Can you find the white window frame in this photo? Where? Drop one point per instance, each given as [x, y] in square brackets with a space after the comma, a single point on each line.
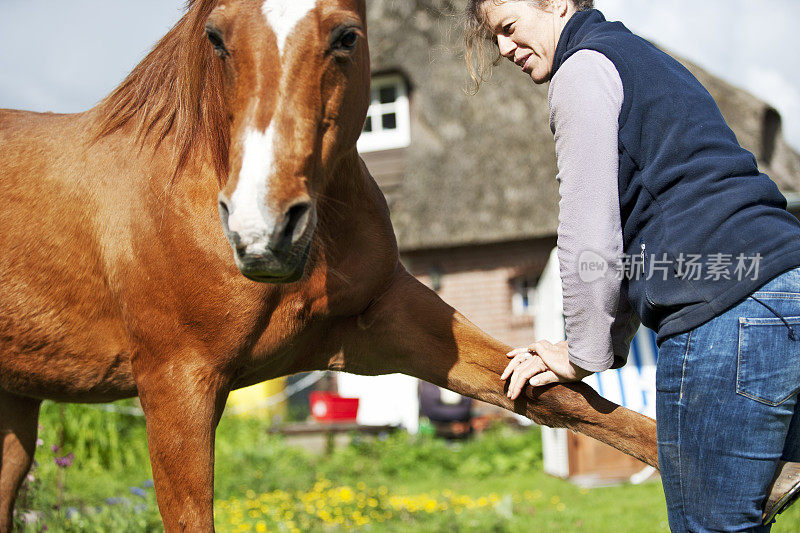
[518, 306]
[379, 138]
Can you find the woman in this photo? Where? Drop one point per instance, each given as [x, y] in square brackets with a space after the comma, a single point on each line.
[696, 244]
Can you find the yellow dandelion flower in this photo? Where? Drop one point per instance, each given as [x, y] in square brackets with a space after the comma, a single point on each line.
[346, 494]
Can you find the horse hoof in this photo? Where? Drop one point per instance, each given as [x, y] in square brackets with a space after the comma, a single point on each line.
[783, 492]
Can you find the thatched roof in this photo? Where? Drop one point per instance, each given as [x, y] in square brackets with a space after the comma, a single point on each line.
[482, 168]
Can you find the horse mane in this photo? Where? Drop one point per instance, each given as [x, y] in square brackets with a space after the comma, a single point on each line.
[176, 87]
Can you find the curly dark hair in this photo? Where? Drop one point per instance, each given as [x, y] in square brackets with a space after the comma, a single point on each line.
[477, 36]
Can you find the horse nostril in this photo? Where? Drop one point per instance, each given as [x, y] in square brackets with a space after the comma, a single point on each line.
[296, 221]
[292, 227]
[224, 211]
[295, 216]
[223, 205]
[224, 215]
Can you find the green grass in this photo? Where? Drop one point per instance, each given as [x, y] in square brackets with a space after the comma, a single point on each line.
[401, 483]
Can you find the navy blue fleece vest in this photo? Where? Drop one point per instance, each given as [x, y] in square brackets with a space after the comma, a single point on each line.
[687, 190]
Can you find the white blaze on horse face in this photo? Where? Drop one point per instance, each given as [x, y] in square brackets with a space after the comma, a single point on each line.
[284, 15]
[250, 218]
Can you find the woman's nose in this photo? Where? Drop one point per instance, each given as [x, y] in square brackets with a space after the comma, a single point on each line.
[506, 46]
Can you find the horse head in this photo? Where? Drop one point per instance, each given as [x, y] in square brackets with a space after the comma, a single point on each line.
[296, 85]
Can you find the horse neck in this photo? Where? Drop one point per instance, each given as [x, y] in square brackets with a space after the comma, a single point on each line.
[347, 192]
[353, 214]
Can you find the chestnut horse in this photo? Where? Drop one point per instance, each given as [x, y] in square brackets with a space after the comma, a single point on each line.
[116, 280]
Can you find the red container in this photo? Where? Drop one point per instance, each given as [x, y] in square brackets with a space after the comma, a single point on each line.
[330, 407]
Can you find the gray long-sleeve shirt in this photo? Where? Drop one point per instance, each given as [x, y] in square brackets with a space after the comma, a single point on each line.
[585, 99]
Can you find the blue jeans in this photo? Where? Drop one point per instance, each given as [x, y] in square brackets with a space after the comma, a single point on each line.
[726, 405]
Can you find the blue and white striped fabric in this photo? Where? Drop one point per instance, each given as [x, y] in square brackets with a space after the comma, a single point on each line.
[634, 385]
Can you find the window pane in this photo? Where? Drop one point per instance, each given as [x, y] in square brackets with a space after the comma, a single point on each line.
[388, 94]
[389, 121]
[368, 125]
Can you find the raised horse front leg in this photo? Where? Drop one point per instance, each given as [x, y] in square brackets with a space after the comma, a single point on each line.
[18, 429]
[409, 329]
[183, 403]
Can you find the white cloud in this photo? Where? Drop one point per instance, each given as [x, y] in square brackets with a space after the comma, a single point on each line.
[751, 44]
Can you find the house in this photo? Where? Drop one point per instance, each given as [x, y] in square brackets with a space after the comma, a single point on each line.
[471, 180]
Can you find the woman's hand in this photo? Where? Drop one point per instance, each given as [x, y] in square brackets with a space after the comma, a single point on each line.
[540, 363]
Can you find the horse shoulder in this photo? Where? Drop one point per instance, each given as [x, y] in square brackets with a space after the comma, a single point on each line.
[57, 314]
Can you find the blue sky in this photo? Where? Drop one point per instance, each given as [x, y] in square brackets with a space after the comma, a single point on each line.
[65, 56]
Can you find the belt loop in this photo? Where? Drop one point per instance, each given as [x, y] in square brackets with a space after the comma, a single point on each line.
[791, 331]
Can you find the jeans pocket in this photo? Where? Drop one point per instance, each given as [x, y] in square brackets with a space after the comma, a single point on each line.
[768, 362]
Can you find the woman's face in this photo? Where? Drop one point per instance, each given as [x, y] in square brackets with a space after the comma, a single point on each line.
[526, 34]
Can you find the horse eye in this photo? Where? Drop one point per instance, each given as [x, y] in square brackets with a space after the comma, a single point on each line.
[215, 37]
[349, 40]
[344, 40]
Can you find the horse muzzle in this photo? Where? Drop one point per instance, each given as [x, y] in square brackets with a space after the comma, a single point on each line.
[270, 253]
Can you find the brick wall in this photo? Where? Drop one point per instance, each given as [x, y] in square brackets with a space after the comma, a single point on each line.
[478, 281]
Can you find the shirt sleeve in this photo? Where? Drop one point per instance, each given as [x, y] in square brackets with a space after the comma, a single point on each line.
[585, 97]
